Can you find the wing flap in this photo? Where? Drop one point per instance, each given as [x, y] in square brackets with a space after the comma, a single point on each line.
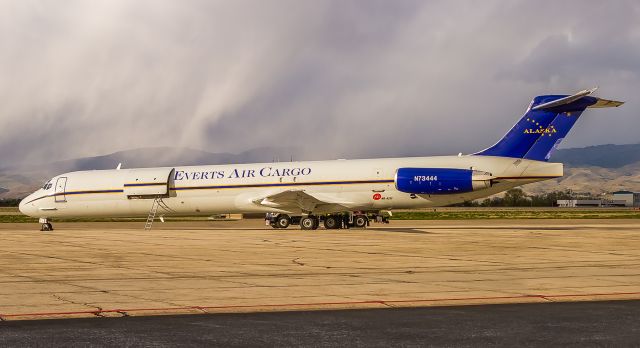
[304, 201]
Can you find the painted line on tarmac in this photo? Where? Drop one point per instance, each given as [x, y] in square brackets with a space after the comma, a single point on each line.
[204, 309]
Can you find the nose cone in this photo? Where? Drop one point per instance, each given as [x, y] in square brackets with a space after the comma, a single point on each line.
[22, 206]
[25, 208]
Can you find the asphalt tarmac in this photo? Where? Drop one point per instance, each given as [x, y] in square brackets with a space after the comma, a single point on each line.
[571, 324]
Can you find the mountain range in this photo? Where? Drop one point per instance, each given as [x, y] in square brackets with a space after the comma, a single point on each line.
[594, 169]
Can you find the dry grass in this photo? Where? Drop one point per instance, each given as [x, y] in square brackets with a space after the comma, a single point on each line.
[12, 215]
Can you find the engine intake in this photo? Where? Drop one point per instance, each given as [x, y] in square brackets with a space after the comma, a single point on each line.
[440, 180]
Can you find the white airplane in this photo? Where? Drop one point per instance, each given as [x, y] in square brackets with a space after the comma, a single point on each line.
[339, 193]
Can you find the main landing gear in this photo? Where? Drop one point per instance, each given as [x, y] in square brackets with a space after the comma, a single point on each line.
[283, 221]
[360, 221]
[46, 225]
[331, 222]
[309, 222]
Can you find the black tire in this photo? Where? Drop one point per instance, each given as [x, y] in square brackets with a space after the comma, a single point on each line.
[283, 221]
[316, 222]
[46, 227]
[308, 223]
[360, 221]
[331, 223]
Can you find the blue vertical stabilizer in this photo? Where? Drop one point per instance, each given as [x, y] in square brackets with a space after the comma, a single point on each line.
[545, 123]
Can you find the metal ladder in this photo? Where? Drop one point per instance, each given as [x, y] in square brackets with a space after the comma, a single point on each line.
[152, 213]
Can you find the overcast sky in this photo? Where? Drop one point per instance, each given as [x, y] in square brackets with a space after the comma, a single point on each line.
[337, 78]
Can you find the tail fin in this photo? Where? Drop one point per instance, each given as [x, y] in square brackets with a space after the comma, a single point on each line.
[545, 123]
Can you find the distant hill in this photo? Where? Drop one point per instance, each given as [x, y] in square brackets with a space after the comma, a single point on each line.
[592, 179]
[595, 169]
[605, 156]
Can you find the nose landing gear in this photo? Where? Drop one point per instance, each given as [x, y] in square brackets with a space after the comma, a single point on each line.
[46, 225]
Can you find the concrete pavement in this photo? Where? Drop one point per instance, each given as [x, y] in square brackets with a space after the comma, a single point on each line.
[118, 269]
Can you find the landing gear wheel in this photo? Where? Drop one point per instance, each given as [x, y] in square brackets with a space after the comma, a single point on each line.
[331, 223]
[283, 221]
[47, 226]
[360, 221]
[309, 223]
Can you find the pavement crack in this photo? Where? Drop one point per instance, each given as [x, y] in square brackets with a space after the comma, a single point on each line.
[98, 309]
[384, 303]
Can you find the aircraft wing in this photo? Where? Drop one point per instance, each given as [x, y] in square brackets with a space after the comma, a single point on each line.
[304, 201]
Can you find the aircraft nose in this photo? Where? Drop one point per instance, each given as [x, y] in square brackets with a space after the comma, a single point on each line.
[24, 207]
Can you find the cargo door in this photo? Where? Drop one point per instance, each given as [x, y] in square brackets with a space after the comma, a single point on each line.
[148, 183]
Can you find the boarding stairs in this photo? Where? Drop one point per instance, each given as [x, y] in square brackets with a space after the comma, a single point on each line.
[152, 213]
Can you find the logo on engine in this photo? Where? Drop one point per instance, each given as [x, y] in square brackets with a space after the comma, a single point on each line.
[377, 197]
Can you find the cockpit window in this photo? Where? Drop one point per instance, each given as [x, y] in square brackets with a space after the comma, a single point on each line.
[47, 185]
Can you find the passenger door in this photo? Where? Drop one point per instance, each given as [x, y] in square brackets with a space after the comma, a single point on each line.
[61, 185]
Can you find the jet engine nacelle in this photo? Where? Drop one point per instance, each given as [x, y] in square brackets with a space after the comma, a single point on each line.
[440, 180]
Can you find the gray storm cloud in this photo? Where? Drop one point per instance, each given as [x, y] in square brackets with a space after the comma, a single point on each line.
[336, 78]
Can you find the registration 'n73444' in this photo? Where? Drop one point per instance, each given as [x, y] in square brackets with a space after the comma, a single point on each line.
[420, 178]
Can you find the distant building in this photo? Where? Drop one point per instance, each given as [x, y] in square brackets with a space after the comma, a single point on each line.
[578, 203]
[575, 203]
[631, 199]
[614, 199]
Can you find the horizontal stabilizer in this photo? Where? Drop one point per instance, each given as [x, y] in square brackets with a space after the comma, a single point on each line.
[565, 100]
[604, 103]
[592, 103]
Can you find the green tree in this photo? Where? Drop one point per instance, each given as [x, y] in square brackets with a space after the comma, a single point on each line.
[515, 197]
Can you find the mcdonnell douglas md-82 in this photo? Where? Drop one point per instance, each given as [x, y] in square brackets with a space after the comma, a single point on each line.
[339, 193]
